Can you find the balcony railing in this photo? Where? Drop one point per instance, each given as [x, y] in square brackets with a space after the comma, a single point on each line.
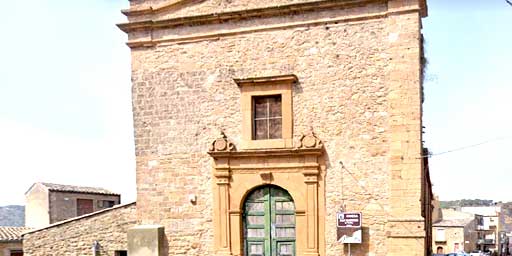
[489, 241]
[486, 241]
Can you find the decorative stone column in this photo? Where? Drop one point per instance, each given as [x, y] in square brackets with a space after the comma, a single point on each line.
[221, 199]
[311, 171]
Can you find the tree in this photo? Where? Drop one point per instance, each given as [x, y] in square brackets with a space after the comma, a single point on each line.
[509, 2]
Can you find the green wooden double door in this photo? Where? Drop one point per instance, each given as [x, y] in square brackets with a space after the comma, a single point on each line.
[269, 223]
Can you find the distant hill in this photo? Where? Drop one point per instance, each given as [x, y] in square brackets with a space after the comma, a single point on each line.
[12, 215]
[466, 202]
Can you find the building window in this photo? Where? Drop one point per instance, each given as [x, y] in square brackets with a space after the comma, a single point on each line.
[121, 253]
[440, 235]
[266, 105]
[16, 253]
[267, 112]
[84, 206]
[106, 203]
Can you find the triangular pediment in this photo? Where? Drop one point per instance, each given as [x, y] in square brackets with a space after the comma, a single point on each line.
[185, 8]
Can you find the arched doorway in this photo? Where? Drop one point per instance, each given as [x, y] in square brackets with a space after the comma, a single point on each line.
[269, 223]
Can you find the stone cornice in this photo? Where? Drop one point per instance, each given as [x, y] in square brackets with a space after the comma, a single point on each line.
[266, 153]
[175, 3]
[272, 79]
[423, 8]
[236, 15]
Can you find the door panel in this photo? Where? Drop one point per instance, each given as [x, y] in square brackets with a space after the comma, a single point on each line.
[84, 206]
[285, 248]
[269, 223]
[256, 248]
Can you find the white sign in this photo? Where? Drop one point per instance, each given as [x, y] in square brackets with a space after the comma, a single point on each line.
[353, 238]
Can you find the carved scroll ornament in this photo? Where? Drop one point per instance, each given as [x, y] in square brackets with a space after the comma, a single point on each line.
[222, 144]
[310, 140]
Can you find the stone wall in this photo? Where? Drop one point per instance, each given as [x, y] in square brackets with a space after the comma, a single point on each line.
[453, 235]
[457, 235]
[63, 205]
[76, 236]
[7, 247]
[359, 89]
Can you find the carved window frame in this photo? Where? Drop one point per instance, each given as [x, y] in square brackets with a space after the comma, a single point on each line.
[267, 86]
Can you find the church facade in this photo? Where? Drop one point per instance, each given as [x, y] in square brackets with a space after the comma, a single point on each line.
[256, 122]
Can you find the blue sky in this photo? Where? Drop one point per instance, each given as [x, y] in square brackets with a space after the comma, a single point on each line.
[65, 97]
[468, 97]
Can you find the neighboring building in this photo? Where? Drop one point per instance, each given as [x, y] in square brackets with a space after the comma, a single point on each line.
[10, 241]
[506, 217]
[105, 230]
[457, 231]
[509, 245]
[267, 74]
[491, 226]
[428, 203]
[503, 245]
[48, 203]
[437, 212]
[506, 227]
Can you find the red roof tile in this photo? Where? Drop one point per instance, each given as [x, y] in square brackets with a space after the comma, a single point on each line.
[12, 234]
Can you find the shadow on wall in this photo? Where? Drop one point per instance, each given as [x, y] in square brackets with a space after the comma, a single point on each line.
[165, 246]
[360, 249]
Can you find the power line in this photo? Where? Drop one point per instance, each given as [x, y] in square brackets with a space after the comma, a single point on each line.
[465, 147]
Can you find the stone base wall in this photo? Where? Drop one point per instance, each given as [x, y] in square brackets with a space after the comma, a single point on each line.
[76, 236]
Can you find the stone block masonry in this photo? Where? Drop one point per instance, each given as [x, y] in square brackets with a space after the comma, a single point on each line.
[76, 236]
[359, 88]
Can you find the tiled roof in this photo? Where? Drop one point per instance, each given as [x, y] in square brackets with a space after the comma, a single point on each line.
[482, 210]
[77, 189]
[453, 223]
[451, 214]
[453, 218]
[12, 234]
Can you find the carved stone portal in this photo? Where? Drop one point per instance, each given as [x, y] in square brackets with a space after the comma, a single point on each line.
[300, 171]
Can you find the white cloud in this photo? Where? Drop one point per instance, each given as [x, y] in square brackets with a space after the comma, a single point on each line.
[480, 171]
[29, 155]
